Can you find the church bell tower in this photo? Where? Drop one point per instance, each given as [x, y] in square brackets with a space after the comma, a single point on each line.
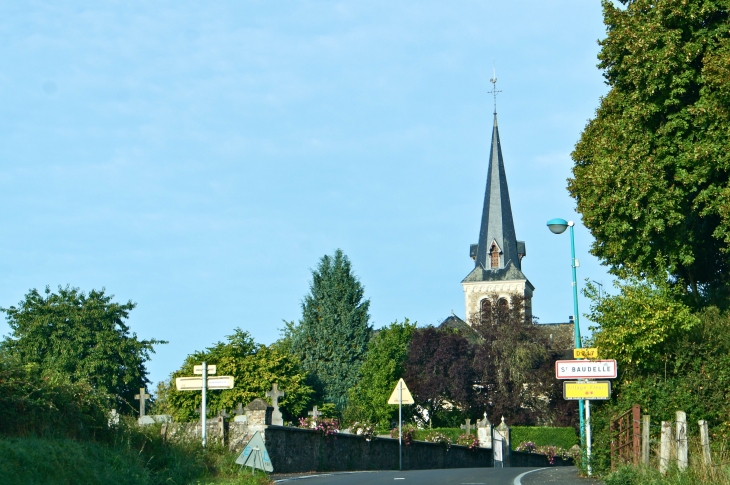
[497, 254]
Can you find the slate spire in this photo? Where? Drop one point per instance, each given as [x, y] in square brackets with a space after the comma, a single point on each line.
[497, 232]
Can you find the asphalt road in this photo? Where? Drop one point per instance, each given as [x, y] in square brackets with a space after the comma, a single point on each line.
[458, 476]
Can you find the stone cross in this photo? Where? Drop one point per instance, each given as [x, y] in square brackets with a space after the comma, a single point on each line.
[223, 414]
[142, 396]
[239, 410]
[468, 426]
[275, 394]
[314, 413]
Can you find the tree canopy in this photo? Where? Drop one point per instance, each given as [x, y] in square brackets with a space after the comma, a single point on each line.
[332, 336]
[514, 366]
[651, 169]
[82, 337]
[383, 366]
[255, 368]
[440, 375]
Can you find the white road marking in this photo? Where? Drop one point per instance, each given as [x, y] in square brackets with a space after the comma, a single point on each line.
[518, 479]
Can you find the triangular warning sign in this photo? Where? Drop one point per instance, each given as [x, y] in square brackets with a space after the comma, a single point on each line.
[255, 454]
[406, 394]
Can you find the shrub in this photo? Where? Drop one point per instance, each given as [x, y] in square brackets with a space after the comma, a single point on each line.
[440, 438]
[543, 435]
[409, 433]
[469, 440]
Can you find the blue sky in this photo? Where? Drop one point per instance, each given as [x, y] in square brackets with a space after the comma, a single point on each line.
[199, 158]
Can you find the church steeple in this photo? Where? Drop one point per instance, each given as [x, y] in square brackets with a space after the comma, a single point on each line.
[498, 254]
[497, 244]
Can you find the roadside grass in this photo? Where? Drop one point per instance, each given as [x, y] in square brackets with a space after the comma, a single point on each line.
[697, 473]
[133, 456]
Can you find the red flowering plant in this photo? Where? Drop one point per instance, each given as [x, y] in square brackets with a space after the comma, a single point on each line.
[409, 433]
[326, 426]
[469, 440]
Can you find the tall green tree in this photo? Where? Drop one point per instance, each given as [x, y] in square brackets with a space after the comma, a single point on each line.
[255, 368]
[383, 366]
[332, 336]
[82, 337]
[651, 176]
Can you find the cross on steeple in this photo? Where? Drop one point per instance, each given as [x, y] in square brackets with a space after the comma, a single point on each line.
[142, 396]
[494, 90]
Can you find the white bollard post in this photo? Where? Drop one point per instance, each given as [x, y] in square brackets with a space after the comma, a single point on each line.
[705, 442]
[666, 447]
[682, 452]
[645, 421]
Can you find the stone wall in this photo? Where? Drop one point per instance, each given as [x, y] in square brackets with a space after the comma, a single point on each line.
[302, 450]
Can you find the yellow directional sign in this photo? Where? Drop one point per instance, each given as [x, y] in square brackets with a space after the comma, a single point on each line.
[585, 353]
[573, 390]
[196, 383]
[405, 393]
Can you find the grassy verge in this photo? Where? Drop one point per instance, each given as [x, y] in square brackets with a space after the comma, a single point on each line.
[135, 456]
[719, 475]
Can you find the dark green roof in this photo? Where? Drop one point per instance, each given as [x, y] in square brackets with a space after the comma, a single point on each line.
[505, 274]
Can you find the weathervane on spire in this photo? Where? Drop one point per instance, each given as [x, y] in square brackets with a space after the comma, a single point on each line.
[494, 90]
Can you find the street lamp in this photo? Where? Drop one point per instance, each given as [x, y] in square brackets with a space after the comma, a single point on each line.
[558, 226]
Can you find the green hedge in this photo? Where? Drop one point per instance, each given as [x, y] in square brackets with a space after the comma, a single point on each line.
[543, 435]
[452, 433]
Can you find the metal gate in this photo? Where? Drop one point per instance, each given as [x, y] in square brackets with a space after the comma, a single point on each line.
[626, 438]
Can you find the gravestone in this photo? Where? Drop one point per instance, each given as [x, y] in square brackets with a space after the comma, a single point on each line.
[314, 413]
[484, 432]
[240, 416]
[259, 414]
[113, 419]
[142, 397]
[468, 426]
[275, 394]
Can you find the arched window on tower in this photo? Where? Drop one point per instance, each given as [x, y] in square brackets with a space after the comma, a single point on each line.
[494, 254]
[502, 304]
[485, 309]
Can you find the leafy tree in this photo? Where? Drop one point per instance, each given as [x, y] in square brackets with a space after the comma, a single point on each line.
[82, 337]
[383, 366]
[255, 368]
[440, 375]
[651, 169]
[514, 366]
[640, 327]
[332, 336]
[669, 358]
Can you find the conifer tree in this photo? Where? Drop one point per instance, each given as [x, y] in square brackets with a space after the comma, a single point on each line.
[332, 336]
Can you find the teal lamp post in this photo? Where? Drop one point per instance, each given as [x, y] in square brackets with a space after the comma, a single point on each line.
[558, 226]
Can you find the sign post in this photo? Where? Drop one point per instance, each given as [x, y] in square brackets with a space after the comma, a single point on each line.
[585, 388]
[202, 383]
[203, 410]
[400, 396]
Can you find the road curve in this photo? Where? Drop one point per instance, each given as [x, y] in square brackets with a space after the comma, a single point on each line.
[457, 476]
